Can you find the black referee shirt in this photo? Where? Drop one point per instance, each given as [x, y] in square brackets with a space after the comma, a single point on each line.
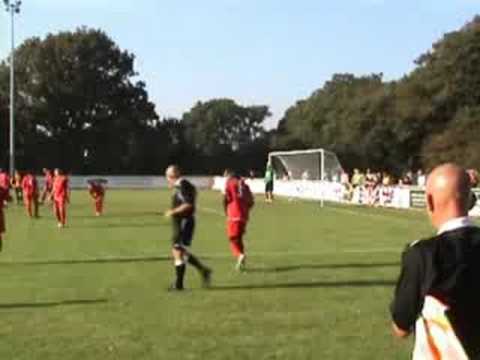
[446, 267]
[185, 193]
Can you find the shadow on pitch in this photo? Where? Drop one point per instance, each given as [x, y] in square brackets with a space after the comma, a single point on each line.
[90, 261]
[52, 304]
[307, 285]
[279, 269]
[125, 215]
[121, 225]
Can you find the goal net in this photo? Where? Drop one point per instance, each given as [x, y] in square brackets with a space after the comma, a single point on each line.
[316, 164]
[309, 174]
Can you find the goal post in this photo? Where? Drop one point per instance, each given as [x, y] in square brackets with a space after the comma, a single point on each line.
[317, 167]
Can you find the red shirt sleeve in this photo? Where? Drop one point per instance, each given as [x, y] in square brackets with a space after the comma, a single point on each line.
[229, 191]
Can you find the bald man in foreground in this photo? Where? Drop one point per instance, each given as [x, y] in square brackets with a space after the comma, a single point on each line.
[438, 292]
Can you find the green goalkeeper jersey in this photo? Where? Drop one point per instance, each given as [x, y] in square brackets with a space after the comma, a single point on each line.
[269, 174]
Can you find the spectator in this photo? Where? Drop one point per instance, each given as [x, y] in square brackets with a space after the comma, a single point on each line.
[347, 187]
[356, 178]
[421, 178]
[370, 187]
[474, 177]
[387, 179]
[407, 179]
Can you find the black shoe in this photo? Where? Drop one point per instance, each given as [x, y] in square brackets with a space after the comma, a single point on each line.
[207, 278]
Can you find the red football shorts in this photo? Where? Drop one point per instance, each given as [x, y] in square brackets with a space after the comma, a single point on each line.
[236, 229]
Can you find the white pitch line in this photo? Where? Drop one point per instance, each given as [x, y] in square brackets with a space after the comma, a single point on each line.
[213, 211]
[302, 253]
[380, 216]
[342, 210]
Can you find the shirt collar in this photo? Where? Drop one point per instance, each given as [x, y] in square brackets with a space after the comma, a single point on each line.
[454, 224]
[178, 182]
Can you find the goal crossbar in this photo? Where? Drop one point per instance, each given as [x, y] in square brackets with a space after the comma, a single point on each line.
[296, 152]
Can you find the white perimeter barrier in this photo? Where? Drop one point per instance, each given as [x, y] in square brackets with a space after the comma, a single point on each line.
[400, 197]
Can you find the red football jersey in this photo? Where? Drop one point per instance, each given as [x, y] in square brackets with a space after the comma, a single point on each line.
[4, 180]
[60, 188]
[239, 200]
[29, 185]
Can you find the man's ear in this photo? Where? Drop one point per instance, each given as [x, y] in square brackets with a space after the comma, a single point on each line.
[430, 203]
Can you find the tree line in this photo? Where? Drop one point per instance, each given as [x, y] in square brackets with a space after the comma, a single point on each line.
[81, 106]
[429, 116]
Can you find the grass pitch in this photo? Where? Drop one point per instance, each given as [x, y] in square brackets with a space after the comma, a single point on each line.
[318, 286]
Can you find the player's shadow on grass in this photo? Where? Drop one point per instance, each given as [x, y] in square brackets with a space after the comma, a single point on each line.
[278, 269]
[125, 215]
[121, 225]
[306, 285]
[89, 261]
[52, 304]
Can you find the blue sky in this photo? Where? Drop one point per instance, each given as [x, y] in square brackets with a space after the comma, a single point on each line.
[270, 52]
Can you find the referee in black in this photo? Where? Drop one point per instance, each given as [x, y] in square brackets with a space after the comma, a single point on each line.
[438, 292]
[182, 213]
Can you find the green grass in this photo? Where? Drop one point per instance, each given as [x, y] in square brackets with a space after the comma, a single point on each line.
[319, 284]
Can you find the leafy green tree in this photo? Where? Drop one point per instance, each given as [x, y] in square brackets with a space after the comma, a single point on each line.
[458, 142]
[221, 132]
[78, 103]
[221, 124]
[401, 124]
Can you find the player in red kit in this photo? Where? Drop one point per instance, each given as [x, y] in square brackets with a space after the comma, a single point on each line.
[4, 180]
[60, 197]
[48, 185]
[4, 197]
[30, 194]
[4, 183]
[96, 189]
[238, 201]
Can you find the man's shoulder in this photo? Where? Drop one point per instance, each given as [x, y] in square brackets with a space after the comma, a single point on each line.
[186, 182]
[467, 237]
[186, 186]
[428, 244]
[421, 246]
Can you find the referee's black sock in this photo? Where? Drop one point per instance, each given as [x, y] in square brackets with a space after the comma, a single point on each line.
[193, 260]
[180, 273]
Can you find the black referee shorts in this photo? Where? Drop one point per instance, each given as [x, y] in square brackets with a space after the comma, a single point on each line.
[183, 229]
[269, 186]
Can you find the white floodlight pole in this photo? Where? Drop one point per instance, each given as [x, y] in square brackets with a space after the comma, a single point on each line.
[12, 7]
[322, 177]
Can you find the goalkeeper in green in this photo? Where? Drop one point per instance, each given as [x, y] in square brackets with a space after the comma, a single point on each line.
[269, 177]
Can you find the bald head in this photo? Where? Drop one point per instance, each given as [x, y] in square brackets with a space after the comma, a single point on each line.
[172, 174]
[448, 193]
